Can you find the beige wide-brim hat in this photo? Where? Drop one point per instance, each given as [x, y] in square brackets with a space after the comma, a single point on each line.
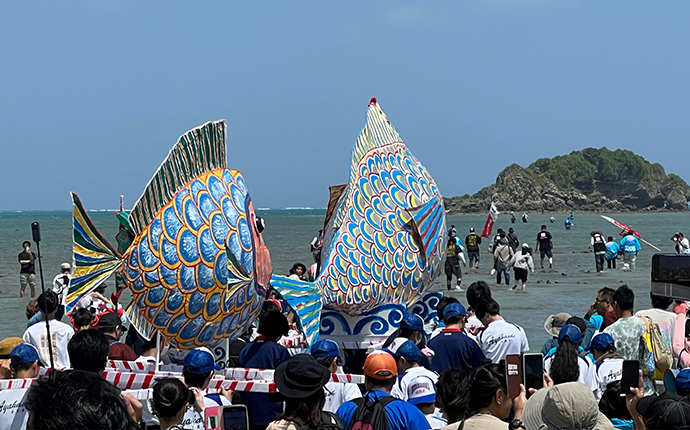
[565, 406]
[554, 323]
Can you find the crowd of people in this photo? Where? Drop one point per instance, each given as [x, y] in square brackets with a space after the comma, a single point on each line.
[452, 377]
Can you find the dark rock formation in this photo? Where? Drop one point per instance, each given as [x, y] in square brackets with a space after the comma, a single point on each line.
[591, 180]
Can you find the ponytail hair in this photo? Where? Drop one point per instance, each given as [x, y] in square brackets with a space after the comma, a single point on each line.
[169, 397]
[482, 386]
[565, 366]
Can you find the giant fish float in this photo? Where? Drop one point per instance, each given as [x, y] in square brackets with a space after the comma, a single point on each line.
[384, 239]
[190, 251]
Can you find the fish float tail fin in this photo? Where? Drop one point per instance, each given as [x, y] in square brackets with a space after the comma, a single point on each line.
[305, 299]
[136, 318]
[94, 258]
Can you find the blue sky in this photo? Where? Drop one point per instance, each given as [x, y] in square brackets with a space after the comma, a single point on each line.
[95, 93]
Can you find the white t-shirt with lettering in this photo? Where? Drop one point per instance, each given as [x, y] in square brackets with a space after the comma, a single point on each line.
[588, 374]
[610, 370]
[501, 338]
[60, 334]
[195, 420]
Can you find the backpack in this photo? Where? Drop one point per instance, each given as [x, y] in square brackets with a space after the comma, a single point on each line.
[653, 344]
[371, 415]
[329, 421]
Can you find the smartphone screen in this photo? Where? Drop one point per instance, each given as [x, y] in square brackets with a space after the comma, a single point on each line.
[513, 374]
[235, 418]
[533, 369]
[631, 370]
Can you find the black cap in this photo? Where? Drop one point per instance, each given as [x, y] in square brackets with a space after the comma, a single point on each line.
[300, 376]
[110, 320]
[667, 411]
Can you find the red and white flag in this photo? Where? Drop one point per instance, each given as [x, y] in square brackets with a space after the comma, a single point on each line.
[490, 220]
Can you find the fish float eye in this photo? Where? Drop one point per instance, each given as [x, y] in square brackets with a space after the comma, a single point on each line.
[260, 224]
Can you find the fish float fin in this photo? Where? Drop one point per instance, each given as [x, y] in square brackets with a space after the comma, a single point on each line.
[305, 299]
[427, 226]
[196, 152]
[94, 258]
[378, 132]
[136, 318]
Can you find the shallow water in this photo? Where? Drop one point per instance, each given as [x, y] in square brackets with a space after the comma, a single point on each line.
[571, 287]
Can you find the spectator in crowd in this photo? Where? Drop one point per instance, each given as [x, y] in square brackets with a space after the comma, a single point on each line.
[488, 402]
[660, 315]
[111, 326]
[199, 366]
[566, 365]
[82, 319]
[301, 380]
[681, 336]
[678, 382]
[406, 355]
[24, 361]
[449, 394]
[6, 346]
[170, 402]
[440, 306]
[452, 347]
[380, 375]
[500, 337]
[598, 245]
[628, 329]
[61, 287]
[566, 406]
[60, 333]
[608, 362]
[327, 354]
[150, 349]
[265, 353]
[587, 330]
[33, 315]
[78, 400]
[613, 406]
[657, 412]
[553, 326]
[412, 328]
[477, 291]
[88, 351]
[603, 305]
[421, 392]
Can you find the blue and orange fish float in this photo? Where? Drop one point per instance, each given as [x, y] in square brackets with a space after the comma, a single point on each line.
[384, 232]
[190, 251]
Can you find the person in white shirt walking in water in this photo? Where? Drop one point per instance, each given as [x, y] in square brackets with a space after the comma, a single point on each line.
[327, 353]
[60, 333]
[61, 287]
[522, 263]
[500, 337]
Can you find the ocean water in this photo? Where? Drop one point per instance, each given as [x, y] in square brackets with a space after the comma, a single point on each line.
[571, 287]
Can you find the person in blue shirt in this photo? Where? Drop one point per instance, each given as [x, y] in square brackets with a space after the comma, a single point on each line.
[380, 375]
[265, 353]
[630, 246]
[612, 251]
[452, 347]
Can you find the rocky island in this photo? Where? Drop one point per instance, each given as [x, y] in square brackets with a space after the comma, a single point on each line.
[590, 180]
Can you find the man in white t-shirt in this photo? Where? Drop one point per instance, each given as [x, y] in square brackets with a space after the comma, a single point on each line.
[406, 355]
[608, 362]
[327, 353]
[61, 287]
[660, 315]
[199, 366]
[500, 337]
[60, 333]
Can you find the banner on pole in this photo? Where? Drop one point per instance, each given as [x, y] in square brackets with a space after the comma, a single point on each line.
[490, 220]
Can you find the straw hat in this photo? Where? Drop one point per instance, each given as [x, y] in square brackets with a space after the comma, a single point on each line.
[593, 232]
[554, 323]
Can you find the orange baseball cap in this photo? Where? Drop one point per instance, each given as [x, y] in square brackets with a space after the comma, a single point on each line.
[380, 365]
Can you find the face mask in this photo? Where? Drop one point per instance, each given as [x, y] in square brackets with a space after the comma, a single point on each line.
[27, 249]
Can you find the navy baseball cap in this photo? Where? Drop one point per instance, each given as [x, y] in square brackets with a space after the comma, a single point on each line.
[601, 342]
[326, 348]
[200, 361]
[573, 333]
[412, 322]
[23, 353]
[403, 347]
[454, 309]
